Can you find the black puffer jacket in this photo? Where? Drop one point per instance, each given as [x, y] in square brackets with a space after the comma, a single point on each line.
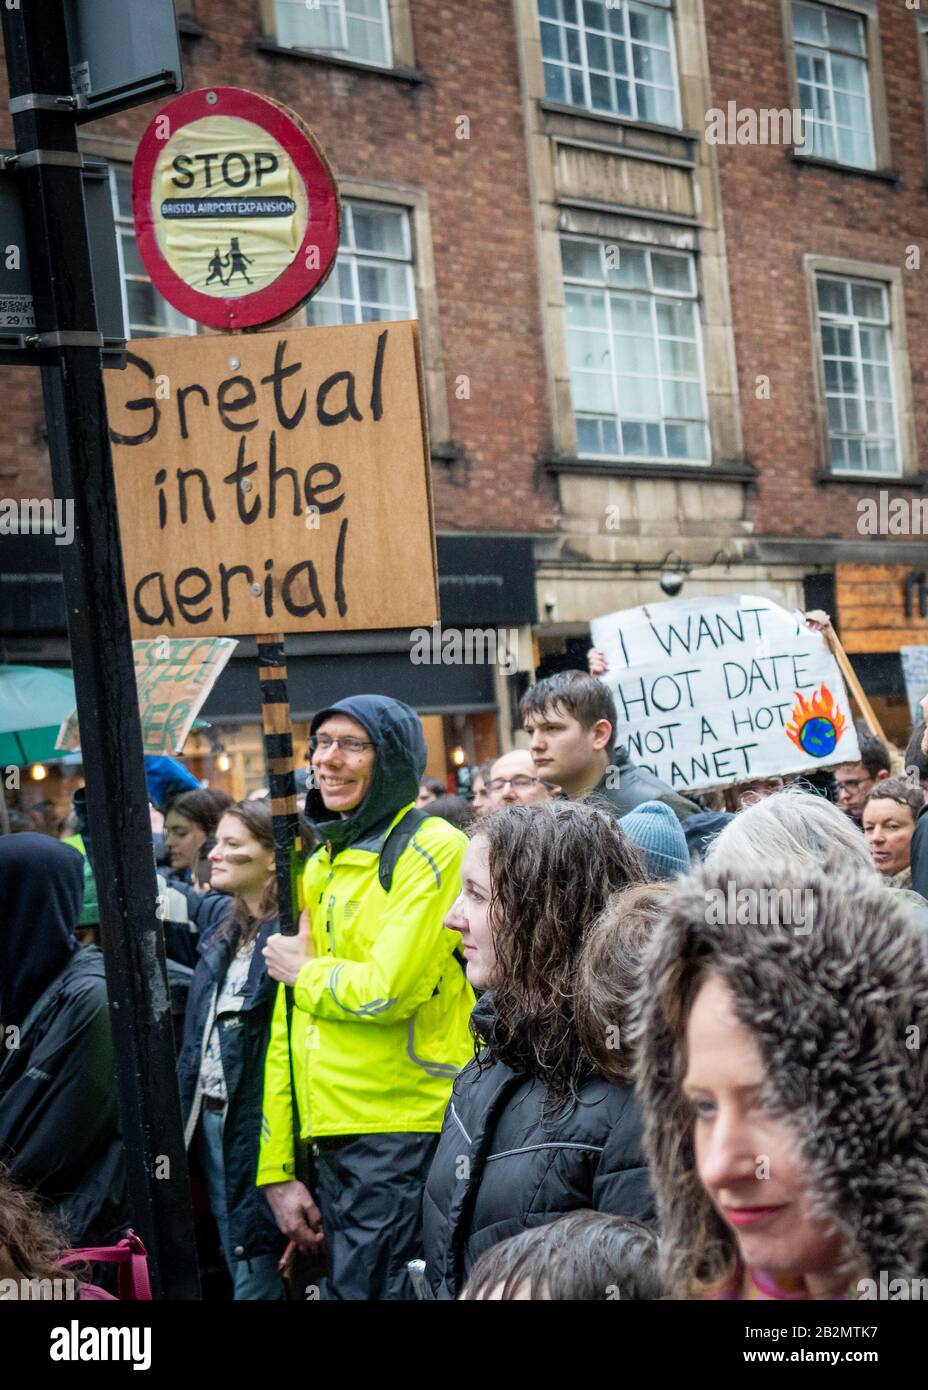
[59, 1120]
[59, 1117]
[501, 1167]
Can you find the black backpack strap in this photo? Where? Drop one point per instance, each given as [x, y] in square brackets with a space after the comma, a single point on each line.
[393, 847]
[396, 842]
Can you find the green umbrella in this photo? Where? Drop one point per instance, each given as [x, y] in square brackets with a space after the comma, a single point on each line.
[33, 702]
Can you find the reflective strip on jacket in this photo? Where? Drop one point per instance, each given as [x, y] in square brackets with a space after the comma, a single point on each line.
[380, 1024]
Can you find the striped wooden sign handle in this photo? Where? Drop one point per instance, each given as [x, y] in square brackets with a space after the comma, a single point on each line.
[278, 754]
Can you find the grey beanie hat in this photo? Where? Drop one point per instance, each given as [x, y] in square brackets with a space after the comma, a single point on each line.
[655, 829]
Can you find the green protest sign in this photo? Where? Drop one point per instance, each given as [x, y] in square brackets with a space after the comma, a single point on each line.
[173, 676]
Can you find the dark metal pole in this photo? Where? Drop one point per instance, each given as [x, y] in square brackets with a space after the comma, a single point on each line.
[101, 648]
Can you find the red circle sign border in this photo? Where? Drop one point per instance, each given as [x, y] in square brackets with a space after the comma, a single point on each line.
[292, 286]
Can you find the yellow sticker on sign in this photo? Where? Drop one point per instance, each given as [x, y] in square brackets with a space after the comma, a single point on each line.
[230, 208]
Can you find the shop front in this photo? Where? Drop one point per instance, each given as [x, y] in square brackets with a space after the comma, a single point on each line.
[463, 676]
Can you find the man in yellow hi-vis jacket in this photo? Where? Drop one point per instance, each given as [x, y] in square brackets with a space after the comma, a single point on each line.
[380, 1023]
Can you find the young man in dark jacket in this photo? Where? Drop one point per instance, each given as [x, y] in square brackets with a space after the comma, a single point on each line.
[59, 1121]
[572, 720]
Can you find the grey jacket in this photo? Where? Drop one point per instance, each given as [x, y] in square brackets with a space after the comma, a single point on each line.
[625, 786]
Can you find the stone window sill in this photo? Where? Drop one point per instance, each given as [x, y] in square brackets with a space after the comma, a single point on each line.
[413, 77]
[730, 471]
[872, 480]
[557, 108]
[188, 27]
[817, 162]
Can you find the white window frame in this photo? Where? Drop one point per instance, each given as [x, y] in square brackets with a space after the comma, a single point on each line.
[854, 323]
[652, 294]
[810, 45]
[407, 260]
[344, 51]
[663, 6]
[124, 222]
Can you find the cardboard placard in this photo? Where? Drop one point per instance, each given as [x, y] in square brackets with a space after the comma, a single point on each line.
[714, 691]
[173, 679]
[275, 482]
[915, 674]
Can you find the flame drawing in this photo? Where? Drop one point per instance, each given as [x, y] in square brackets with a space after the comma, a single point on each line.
[817, 724]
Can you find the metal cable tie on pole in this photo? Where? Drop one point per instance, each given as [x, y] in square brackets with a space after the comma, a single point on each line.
[44, 101]
[29, 159]
[63, 339]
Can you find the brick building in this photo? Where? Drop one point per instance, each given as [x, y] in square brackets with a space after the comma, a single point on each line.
[829, 299]
[645, 349]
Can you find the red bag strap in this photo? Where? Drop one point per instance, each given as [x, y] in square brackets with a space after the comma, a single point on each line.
[131, 1257]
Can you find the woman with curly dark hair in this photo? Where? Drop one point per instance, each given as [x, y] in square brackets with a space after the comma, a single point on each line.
[533, 1129]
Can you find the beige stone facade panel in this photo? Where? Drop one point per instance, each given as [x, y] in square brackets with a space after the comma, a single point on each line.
[603, 177]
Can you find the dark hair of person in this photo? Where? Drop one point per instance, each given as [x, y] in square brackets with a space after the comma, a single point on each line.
[256, 817]
[454, 809]
[20, 822]
[899, 790]
[874, 755]
[585, 1256]
[609, 974]
[29, 1240]
[914, 757]
[205, 806]
[553, 866]
[481, 770]
[586, 698]
[433, 785]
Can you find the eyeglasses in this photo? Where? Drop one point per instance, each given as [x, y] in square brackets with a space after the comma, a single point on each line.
[518, 784]
[853, 783]
[321, 743]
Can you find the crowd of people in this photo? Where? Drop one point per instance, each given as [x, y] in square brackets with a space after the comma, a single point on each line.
[576, 1036]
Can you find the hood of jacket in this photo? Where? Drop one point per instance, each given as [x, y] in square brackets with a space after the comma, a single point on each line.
[483, 1018]
[41, 892]
[831, 1010]
[396, 732]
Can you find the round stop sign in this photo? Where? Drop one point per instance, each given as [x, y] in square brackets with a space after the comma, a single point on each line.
[236, 209]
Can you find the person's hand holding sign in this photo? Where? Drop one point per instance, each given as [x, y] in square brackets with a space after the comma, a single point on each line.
[819, 621]
[285, 956]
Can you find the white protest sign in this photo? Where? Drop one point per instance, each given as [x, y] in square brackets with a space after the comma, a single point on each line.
[713, 691]
[915, 674]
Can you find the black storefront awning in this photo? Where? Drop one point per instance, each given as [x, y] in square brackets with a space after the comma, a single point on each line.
[318, 681]
[31, 592]
[486, 581]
